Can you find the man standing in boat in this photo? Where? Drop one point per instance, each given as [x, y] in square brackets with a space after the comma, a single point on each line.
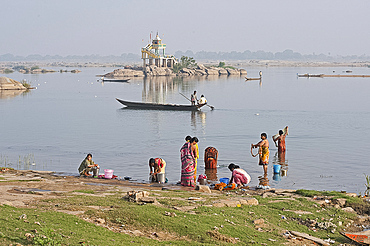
[193, 98]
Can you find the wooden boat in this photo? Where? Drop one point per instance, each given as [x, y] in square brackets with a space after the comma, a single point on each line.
[253, 78]
[307, 75]
[334, 75]
[362, 238]
[114, 80]
[156, 106]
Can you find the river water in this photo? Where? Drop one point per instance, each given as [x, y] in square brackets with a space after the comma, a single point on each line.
[69, 115]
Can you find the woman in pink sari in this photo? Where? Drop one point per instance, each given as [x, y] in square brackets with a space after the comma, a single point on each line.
[187, 165]
[239, 176]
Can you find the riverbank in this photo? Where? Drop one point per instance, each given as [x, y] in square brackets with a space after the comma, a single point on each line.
[73, 210]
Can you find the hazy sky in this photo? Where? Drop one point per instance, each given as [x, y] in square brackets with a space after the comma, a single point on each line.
[113, 27]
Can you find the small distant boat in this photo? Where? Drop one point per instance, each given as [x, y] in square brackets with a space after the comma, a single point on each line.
[307, 75]
[156, 106]
[114, 80]
[362, 238]
[253, 78]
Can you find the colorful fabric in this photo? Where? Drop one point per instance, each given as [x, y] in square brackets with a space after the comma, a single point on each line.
[240, 176]
[162, 164]
[210, 157]
[196, 156]
[187, 165]
[223, 186]
[264, 156]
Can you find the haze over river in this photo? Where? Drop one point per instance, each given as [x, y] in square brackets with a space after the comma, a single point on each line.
[70, 115]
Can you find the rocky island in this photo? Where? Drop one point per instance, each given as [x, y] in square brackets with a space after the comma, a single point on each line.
[198, 70]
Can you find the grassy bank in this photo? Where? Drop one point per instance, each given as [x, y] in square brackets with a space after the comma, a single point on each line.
[178, 219]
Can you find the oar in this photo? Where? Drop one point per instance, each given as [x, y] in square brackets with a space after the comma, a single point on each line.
[190, 101]
[185, 97]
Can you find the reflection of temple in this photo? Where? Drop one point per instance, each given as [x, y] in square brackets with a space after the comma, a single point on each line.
[156, 88]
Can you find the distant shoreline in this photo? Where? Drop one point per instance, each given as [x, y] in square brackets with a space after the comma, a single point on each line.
[238, 64]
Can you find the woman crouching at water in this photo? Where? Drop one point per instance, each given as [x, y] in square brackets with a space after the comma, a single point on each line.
[239, 176]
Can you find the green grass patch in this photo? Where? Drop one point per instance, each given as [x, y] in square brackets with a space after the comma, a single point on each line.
[85, 191]
[185, 228]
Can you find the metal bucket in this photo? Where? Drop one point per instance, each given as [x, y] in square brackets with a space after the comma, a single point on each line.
[161, 177]
[202, 181]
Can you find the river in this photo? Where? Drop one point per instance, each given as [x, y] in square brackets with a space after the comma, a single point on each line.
[69, 115]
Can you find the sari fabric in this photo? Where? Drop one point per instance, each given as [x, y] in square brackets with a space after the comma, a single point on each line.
[187, 165]
[210, 157]
[264, 157]
[240, 176]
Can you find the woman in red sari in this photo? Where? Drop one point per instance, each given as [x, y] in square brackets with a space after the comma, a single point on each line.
[187, 165]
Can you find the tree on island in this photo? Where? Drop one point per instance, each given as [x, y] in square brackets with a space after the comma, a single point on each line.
[185, 62]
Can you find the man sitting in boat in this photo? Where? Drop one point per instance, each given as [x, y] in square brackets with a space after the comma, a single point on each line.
[202, 100]
[156, 166]
[88, 165]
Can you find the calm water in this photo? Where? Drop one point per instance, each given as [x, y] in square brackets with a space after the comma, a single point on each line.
[70, 115]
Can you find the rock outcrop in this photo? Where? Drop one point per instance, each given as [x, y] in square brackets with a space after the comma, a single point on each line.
[153, 70]
[124, 73]
[10, 84]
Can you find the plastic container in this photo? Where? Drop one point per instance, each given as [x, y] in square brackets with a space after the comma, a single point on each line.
[108, 173]
[161, 177]
[276, 177]
[224, 180]
[276, 168]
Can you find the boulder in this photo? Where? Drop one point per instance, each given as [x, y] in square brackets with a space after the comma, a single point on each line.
[211, 71]
[258, 221]
[203, 188]
[201, 67]
[136, 196]
[200, 72]
[222, 71]
[10, 84]
[124, 73]
[340, 201]
[248, 201]
[349, 210]
[243, 72]
[231, 71]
